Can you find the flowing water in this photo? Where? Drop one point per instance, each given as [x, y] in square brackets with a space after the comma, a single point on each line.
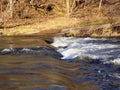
[29, 63]
[106, 50]
[101, 53]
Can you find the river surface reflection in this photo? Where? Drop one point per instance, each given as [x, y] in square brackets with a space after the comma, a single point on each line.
[30, 70]
[29, 73]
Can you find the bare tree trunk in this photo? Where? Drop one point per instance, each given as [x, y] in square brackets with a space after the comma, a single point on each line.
[1, 19]
[73, 4]
[11, 8]
[100, 5]
[68, 7]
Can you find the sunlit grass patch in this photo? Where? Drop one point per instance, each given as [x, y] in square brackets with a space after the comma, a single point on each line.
[95, 22]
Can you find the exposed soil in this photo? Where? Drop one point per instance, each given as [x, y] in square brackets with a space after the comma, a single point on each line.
[105, 30]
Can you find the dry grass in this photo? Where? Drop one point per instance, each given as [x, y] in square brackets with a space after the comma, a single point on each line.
[86, 14]
[56, 23]
[95, 22]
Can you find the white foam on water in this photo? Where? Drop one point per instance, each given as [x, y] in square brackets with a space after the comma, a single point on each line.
[116, 75]
[26, 49]
[114, 61]
[7, 50]
[103, 49]
[83, 47]
[62, 41]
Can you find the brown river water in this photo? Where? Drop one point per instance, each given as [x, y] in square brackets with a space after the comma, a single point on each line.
[29, 63]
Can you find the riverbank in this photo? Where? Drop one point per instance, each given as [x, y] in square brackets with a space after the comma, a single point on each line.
[67, 27]
[48, 17]
[97, 31]
[46, 27]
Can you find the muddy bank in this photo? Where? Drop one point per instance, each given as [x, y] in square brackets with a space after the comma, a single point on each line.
[106, 30]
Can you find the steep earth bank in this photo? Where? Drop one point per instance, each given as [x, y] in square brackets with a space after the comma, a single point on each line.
[105, 30]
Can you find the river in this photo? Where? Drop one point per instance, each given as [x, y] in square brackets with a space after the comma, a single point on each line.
[29, 63]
